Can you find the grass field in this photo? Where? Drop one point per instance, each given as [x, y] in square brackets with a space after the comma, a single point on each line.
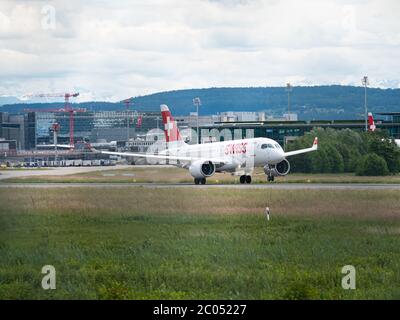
[137, 243]
[175, 175]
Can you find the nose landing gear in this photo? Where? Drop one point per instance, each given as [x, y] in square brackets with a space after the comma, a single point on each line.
[271, 178]
[200, 180]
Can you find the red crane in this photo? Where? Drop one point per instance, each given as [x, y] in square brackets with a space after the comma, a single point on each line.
[67, 108]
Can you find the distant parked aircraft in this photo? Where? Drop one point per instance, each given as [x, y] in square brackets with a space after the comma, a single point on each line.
[236, 156]
[372, 127]
[81, 145]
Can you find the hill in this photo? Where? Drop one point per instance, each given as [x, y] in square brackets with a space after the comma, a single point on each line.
[316, 102]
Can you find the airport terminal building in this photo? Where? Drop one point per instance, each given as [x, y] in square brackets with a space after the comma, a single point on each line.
[90, 126]
[29, 130]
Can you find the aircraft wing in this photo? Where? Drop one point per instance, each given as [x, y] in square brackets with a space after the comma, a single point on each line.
[67, 146]
[313, 148]
[165, 157]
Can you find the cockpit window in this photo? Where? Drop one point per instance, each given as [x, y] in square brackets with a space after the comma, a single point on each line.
[277, 145]
[267, 145]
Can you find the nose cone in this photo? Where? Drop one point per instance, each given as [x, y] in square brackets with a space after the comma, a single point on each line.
[281, 155]
[277, 156]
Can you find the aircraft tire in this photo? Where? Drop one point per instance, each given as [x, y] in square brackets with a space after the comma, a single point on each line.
[242, 179]
[248, 179]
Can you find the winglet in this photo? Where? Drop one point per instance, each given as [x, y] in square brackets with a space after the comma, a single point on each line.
[315, 143]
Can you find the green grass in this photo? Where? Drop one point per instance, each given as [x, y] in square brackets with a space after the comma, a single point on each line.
[118, 244]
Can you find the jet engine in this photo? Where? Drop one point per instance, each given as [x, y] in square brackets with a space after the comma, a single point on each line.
[202, 169]
[280, 169]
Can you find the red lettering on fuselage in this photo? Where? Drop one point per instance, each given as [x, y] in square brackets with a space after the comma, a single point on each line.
[236, 148]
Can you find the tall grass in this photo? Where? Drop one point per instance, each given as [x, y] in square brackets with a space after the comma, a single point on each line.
[138, 243]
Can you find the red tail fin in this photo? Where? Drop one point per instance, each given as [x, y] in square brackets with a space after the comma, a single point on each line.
[170, 127]
[371, 122]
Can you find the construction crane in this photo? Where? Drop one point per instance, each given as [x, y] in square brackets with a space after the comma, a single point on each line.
[67, 108]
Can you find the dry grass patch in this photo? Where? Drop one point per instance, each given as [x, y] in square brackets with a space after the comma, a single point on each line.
[140, 200]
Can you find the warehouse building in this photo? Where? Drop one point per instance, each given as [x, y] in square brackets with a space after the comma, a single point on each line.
[31, 129]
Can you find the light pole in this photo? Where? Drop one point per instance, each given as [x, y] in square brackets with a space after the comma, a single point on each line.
[365, 83]
[56, 129]
[158, 121]
[127, 103]
[197, 103]
[288, 89]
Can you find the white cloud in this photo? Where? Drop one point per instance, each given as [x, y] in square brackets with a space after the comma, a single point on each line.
[110, 51]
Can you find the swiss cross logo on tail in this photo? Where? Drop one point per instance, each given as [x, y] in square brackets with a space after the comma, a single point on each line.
[371, 122]
[170, 127]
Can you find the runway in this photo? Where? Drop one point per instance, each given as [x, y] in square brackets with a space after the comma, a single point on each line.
[58, 171]
[279, 186]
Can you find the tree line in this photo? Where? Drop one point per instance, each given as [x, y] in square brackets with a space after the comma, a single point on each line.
[340, 151]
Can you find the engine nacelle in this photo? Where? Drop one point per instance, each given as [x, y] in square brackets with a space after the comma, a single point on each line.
[280, 169]
[202, 169]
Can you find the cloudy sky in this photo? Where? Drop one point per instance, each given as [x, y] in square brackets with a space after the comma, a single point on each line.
[110, 50]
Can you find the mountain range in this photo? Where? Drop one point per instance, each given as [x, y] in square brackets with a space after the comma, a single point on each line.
[309, 102]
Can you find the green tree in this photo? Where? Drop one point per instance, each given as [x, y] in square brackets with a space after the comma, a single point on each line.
[384, 147]
[336, 159]
[341, 151]
[372, 165]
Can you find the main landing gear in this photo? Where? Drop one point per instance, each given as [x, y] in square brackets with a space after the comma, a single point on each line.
[245, 179]
[200, 180]
[271, 178]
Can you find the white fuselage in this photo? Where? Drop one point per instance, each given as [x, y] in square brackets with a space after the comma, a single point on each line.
[254, 152]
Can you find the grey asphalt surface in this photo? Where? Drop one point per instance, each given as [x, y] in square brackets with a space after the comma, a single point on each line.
[281, 186]
[61, 171]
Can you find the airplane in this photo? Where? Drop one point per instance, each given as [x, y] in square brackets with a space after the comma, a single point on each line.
[81, 144]
[104, 144]
[372, 127]
[238, 157]
[371, 122]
